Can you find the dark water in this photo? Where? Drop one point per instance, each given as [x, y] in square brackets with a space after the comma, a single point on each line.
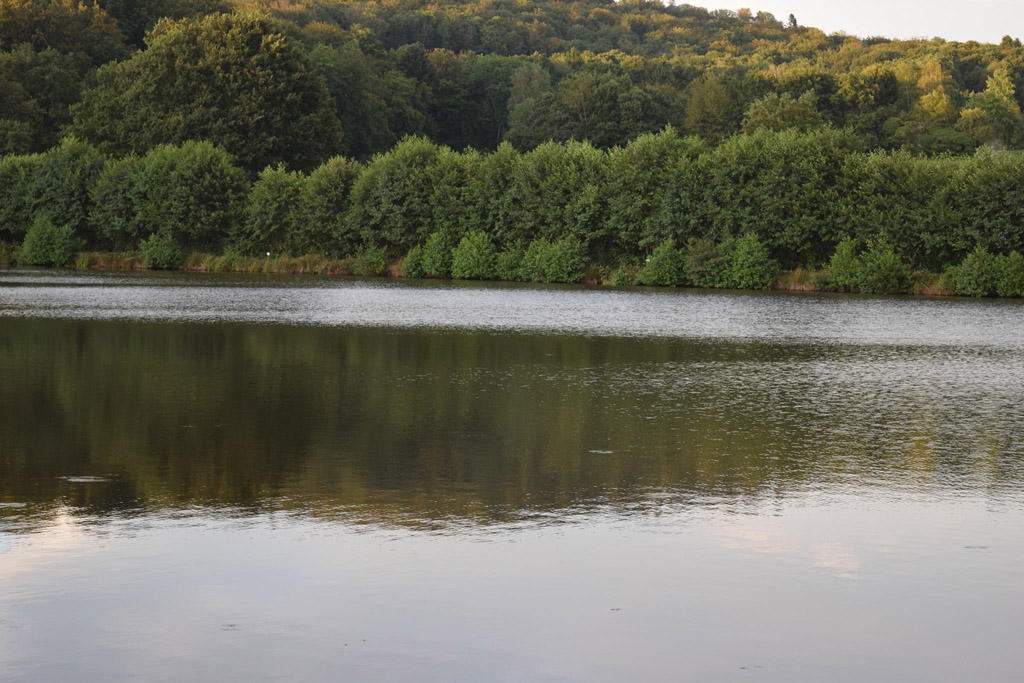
[248, 478]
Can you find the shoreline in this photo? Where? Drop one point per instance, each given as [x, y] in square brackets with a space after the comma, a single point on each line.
[923, 283]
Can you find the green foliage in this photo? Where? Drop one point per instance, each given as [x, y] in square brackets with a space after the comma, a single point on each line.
[783, 186]
[531, 265]
[909, 200]
[979, 273]
[882, 270]
[509, 262]
[17, 207]
[639, 182]
[602, 106]
[582, 204]
[993, 116]
[49, 244]
[1011, 275]
[160, 252]
[320, 224]
[83, 31]
[232, 79]
[272, 86]
[563, 260]
[113, 215]
[450, 175]
[622, 278]
[61, 184]
[38, 87]
[391, 198]
[372, 261]
[557, 192]
[489, 206]
[844, 267]
[271, 213]
[780, 112]
[437, 254]
[412, 264]
[705, 264]
[135, 17]
[665, 267]
[474, 258]
[750, 265]
[350, 77]
[988, 201]
[193, 193]
[711, 111]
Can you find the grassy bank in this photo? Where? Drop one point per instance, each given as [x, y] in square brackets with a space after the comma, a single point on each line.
[198, 262]
[921, 283]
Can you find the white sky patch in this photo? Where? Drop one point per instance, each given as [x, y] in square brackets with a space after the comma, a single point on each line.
[961, 20]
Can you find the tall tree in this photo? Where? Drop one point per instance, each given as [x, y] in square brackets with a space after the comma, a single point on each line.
[234, 80]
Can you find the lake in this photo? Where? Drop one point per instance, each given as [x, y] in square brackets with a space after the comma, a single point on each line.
[268, 478]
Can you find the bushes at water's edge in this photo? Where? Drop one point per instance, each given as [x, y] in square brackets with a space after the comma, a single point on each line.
[475, 258]
[373, 263]
[742, 263]
[985, 274]
[161, 252]
[48, 244]
[731, 216]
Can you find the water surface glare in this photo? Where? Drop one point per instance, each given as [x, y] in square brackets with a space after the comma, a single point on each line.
[208, 477]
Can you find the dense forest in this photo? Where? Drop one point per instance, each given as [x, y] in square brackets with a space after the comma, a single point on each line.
[616, 141]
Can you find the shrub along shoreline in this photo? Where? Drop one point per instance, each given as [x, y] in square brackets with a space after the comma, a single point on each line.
[918, 283]
[790, 210]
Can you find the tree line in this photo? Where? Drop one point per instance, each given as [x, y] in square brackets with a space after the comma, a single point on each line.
[664, 209]
[302, 81]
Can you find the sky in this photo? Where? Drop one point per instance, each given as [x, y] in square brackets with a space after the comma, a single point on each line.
[982, 20]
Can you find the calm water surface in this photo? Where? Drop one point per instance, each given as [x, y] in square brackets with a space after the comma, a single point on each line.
[270, 478]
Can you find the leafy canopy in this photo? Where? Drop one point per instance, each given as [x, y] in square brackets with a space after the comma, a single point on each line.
[231, 79]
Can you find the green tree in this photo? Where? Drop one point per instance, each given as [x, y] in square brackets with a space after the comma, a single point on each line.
[979, 273]
[391, 199]
[993, 116]
[49, 244]
[638, 181]
[489, 207]
[234, 80]
[711, 111]
[38, 87]
[436, 257]
[782, 186]
[882, 270]
[474, 258]
[489, 82]
[61, 184]
[136, 17]
[352, 78]
[194, 193]
[750, 265]
[80, 30]
[665, 267]
[843, 271]
[907, 199]
[271, 213]
[113, 215]
[320, 224]
[782, 112]
[557, 192]
[1011, 275]
[987, 201]
[160, 251]
[17, 204]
